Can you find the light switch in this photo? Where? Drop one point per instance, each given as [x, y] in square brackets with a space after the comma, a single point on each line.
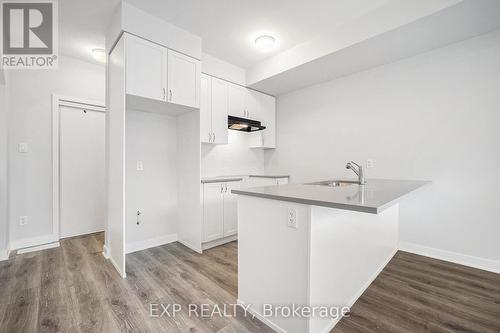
[140, 166]
[23, 147]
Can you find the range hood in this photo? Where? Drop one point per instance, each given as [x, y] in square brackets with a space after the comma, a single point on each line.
[244, 124]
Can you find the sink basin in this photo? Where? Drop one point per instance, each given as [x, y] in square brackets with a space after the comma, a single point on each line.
[335, 183]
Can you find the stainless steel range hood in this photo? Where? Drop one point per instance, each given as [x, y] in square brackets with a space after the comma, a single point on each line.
[244, 124]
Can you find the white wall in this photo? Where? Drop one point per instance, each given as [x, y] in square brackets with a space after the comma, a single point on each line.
[235, 158]
[30, 120]
[152, 139]
[434, 117]
[4, 230]
[219, 68]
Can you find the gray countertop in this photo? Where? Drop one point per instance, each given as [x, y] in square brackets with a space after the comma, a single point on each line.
[374, 197]
[220, 179]
[269, 176]
[235, 178]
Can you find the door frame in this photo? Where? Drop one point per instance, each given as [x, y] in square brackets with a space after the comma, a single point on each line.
[57, 102]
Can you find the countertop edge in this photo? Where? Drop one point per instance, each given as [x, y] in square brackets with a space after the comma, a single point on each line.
[269, 176]
[221, 180]
[361, 209]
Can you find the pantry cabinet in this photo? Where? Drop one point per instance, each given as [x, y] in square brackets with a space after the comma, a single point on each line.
[220, 218]
[155, 72]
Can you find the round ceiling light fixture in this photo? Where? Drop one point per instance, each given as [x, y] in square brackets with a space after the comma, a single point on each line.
[265, 43]
[99, 54]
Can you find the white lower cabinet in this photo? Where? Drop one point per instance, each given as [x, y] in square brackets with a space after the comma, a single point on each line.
[220, 215]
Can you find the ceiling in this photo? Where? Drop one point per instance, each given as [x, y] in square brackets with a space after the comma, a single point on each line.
[228, 27]
[83, 25]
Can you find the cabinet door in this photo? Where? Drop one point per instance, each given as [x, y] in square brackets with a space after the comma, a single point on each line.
[219, 111]
[205, 109]
[230, 209]
[253, 104]
[213, 211]
[183, 79]
[146, 68]
[236, 100]
[268, 104]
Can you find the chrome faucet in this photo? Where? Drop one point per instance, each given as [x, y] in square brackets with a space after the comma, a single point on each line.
[358, 170]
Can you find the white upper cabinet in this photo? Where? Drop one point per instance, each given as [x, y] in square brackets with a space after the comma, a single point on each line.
[146, 68]
[213, 110]
[219, 111]
[266, 112]
[254, 107]
[220, 98]
[236, 100]
[155, 72]
[183, 79]
[206, 109]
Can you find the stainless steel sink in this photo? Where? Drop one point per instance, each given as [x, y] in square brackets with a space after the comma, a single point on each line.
[335, 183]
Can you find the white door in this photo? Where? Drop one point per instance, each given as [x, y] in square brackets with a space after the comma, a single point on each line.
[219, 111]
[213, 209]
[236, 100]
[205, 109]
[82, 171]
[230, 209]
[146, 68]
[183, 79]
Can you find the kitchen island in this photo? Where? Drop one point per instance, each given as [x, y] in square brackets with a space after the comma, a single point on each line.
[314, 246]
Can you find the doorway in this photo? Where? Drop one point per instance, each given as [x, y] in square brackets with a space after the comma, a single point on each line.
[81, 168]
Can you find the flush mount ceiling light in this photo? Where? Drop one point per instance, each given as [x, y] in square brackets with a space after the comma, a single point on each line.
[99, 55]
[265, 43]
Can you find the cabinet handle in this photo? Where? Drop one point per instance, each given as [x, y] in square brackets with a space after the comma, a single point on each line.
[221, 188]
[170, 94]
[214, 137]
[209, 137]
[164, 94]
[226, 188]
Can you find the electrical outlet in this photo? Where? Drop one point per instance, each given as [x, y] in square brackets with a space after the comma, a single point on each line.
[140, 166]
[292, 218]
[23, 147]
[370, 163]
[23, 220]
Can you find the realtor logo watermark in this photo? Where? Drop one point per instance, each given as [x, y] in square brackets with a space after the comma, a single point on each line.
[29, 34]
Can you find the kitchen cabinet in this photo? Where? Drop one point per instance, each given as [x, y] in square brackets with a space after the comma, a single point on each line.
[221, 98]
[146, 69]
[155, 72]
[236, 100]
[220, 217]
[213, 110]
[267, 115]
[183, 79]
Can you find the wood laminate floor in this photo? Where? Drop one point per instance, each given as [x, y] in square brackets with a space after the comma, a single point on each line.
[74, 289]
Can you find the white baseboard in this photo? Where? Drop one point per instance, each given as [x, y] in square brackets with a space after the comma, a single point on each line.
[217, 242]
[4, 255]
[105, 251]
[457, 258]
[149, 243]
[33, 241]
[259, 316]
[38, 248]
[115, 265]
[191, 246]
